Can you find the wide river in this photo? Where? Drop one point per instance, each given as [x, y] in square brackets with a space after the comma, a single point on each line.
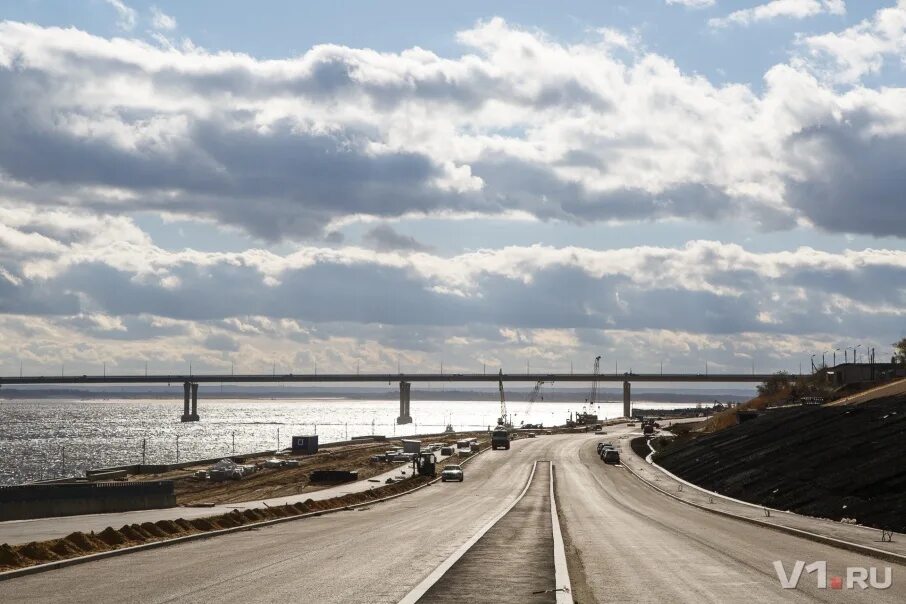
[50, 438]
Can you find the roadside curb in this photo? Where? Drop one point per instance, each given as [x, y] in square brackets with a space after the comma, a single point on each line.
[866, 550]
[57, 564]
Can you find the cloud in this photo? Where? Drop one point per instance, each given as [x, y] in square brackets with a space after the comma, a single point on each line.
[162, 21]
[503, 305]
[126, 16]
[693, 3]
[862, 49]
[519, 125]
[775, 9]
[713, 287]
[383, 238]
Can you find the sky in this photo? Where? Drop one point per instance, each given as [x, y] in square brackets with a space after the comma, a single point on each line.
[480, 185]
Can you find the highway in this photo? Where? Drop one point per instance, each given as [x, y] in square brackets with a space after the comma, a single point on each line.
[625, 542]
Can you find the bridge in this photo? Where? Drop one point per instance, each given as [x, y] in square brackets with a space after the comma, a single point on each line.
[191, 382]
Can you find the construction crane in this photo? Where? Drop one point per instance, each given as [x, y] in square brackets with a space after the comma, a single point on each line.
[503, 419]
[594, 382]
[536, 392]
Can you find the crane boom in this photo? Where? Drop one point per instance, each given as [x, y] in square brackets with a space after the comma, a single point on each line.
[503, 418]
[536, 391]
[594, 381]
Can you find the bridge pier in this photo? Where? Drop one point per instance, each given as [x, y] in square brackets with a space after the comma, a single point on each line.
[404, 417]
[190, 414]
[627, 403]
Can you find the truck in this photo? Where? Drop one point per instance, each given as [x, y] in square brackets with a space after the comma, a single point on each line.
[500, 438]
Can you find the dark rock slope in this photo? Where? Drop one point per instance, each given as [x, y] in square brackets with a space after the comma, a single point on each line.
[830, 462]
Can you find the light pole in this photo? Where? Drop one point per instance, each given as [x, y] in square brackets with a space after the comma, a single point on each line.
[855, 353]
[813, 364]
[836, 350]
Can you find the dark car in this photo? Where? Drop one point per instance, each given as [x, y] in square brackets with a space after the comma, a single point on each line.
[452, 472]
[610, 456]
[604, 445]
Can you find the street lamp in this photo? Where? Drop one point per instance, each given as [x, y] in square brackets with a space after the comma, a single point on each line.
[836, 350]
[813, 363]
[855, 353]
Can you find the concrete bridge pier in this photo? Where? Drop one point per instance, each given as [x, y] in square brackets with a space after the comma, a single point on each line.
[190, 414]
[404, 417]
[627, 402]
[194, 402]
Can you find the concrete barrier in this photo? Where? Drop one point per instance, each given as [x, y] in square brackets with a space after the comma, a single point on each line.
[23, 502]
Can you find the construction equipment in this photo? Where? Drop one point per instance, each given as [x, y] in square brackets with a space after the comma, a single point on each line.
[536, 392]
[594, 382]
[502, 420]
[425, 464]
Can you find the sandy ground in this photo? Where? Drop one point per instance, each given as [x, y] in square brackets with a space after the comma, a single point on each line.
[284, 482]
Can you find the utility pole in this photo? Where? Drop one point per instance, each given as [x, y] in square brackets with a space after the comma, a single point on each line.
[144, 450]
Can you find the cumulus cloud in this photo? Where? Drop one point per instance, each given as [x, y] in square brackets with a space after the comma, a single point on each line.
[499, 305]
[775, 9]
[848, 55]
[520, 125]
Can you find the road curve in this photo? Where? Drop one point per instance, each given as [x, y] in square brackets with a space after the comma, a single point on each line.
[625, 542]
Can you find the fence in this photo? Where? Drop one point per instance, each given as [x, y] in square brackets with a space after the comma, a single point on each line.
[21, 502]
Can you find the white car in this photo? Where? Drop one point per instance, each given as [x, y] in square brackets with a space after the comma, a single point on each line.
[452, 472]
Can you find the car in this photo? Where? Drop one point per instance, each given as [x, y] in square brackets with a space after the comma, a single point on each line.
[604, 445]
[531, 435]
[452, 472]
[611, 456]
[599, 432]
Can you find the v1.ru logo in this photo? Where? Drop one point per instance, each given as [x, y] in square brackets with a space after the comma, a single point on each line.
[855, 576]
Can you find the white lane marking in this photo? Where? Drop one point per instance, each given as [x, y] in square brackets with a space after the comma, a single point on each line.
[422, 588]
[561, 572]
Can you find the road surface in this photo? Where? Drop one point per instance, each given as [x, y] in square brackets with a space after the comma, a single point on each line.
[625, 542]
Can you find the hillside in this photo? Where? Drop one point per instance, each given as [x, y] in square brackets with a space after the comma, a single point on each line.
[831, 462]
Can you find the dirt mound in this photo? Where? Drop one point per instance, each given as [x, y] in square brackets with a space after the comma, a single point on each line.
[202, 524]
[132, 534]
[85, 543]
[111, 536]
[184, 524]
[169, 527]
[64, 549]
[10, 558]
[830, 462]
[38, 551]
[153, 529]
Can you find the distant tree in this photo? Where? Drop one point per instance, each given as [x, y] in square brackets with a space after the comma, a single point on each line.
[774, 384]
[900, 351]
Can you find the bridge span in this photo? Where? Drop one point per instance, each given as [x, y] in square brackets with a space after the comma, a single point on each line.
[191, 381]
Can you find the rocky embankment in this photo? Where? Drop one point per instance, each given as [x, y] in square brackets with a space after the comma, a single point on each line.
[830, 462]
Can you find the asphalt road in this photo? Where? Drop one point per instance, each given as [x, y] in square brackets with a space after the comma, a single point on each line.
[626, 542]
[513, 561]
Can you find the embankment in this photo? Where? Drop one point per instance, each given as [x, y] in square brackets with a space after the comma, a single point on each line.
[829, 462]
